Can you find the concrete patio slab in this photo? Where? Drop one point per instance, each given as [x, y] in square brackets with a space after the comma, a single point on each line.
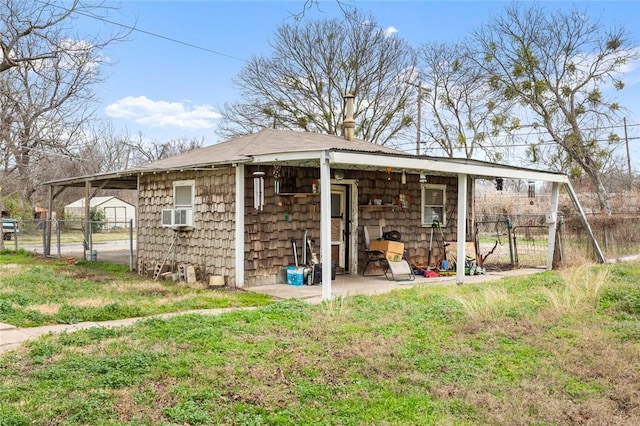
[349, 285]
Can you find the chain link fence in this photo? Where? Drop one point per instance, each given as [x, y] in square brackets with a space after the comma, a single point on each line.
[107, 241]
[505, 242]
[523, 240]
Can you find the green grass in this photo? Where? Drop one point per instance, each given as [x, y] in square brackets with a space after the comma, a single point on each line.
[35, 292]
[66, 236]
[520, 351]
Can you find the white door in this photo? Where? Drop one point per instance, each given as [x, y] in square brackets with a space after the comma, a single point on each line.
[338, 224]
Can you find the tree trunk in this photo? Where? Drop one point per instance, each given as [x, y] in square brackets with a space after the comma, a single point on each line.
[603, 200]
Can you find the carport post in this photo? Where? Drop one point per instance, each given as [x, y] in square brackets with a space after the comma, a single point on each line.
[130, 245]
[88, 246]
[47, 224]
[462, 227]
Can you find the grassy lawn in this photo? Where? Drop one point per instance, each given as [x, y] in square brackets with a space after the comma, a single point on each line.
[556, 348]
[35, 292]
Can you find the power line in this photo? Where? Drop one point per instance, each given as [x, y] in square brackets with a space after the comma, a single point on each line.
[160, 36]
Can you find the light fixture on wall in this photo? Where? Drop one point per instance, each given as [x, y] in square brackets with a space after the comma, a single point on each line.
[404, 178]
[258, 190]
[338, 174]
[423, 177]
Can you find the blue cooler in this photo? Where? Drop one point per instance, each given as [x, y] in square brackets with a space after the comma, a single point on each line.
[295, 276]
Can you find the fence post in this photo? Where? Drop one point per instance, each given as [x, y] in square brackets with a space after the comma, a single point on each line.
[58, 243]
[44, 237]
[90, 242]
[511, 241]
[15, 234]
[130, 245]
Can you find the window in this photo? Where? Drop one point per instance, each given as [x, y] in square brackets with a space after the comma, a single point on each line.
[183, 199]
[183, 194]
[433, 204]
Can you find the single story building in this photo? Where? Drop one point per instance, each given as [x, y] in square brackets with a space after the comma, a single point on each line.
[234, 209]
[117, 213]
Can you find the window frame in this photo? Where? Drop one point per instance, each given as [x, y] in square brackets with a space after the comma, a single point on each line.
[184, 183]
[168, 216]
[424, 188]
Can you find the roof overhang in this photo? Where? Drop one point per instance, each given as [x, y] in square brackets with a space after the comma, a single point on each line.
[337, 158]
[105, 181]
[445, 166]
[409, 163]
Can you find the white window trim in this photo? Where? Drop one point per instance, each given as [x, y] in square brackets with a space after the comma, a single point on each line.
[189, 208]
[423, 204]
[192, 184]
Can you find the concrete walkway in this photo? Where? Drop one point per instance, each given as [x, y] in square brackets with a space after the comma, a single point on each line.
[11, 337]
[343, 286]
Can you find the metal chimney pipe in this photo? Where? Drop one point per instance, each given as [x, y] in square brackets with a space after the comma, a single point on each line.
[349, 123]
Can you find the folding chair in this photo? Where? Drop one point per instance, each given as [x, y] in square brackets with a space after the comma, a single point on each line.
[399, 271]
[372, 233]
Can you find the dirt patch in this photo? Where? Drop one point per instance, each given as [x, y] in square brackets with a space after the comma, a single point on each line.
[47, 308]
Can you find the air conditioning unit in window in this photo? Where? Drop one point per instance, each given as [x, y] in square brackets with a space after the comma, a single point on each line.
[177, 217]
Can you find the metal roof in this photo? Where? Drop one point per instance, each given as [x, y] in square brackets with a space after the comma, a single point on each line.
[305, 148]
[266, 141]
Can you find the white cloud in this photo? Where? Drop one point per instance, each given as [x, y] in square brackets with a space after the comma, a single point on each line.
[389, 31]
[163, 114]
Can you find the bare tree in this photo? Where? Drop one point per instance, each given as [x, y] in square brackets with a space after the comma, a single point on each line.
[148, 151]
[313, 65]
[44, 104]
[103, 149]
[556, 65]
[462, 114]
[46, 76]
[33, 31]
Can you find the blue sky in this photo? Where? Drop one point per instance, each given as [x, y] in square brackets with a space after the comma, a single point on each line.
[163, 87]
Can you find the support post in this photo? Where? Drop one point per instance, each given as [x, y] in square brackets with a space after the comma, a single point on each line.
[462, 227]
[48, 222]
[130, 245]
[552, 221]
[88, 246]
[325, 224]
[239, 231]
[583, 219]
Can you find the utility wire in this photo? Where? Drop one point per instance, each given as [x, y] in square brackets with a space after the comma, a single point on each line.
[152, 34]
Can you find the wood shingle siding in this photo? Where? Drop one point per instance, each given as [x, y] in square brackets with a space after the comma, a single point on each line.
[209, 246]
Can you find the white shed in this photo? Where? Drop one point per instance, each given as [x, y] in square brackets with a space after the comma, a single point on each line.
[118, 213]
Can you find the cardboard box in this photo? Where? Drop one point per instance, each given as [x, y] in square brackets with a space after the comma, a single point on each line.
[393, 250]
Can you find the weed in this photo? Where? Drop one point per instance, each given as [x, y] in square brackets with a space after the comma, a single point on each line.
[488, 305]
[187, 412]
[580, 289]
[336, 307]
